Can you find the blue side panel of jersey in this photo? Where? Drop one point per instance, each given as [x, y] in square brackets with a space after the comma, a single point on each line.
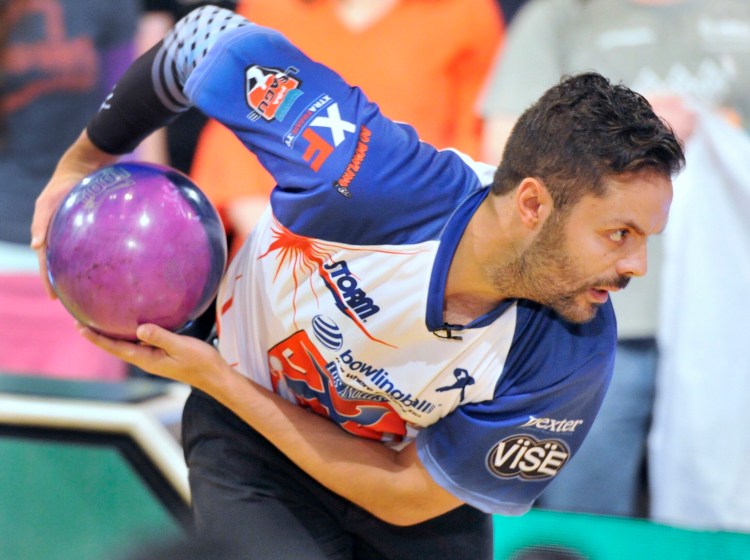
[499, 455]
[328, 147]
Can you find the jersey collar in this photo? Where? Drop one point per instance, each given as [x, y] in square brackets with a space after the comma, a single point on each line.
[449, 239]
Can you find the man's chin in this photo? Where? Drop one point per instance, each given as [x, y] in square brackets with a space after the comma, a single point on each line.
[575, 312]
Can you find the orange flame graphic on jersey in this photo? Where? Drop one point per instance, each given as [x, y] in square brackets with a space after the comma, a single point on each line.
[296, 364]
[306, 256]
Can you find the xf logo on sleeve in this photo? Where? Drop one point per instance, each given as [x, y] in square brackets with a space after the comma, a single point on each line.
[525, 457]
[322, 116]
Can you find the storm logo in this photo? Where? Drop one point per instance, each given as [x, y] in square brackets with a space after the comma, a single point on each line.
[524, 457]
[307, 256]
[270, 92]
[346, 291]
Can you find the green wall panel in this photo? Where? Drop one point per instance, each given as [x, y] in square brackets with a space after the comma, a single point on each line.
[74, 501]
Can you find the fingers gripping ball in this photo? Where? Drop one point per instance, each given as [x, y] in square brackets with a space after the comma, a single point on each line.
[136, 243]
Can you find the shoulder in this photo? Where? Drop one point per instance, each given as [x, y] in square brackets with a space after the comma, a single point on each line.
[547, 345]
[541, 322]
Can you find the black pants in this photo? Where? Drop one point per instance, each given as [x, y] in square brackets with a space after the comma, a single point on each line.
[249, 496]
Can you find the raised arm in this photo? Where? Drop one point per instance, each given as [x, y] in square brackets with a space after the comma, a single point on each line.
[147, 97]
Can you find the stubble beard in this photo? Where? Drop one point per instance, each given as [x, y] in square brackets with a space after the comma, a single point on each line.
[546, 274]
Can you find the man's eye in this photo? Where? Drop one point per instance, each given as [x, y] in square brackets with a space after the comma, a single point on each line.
[619, 235]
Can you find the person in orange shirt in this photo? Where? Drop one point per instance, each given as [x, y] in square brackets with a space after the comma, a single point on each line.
[423, 61]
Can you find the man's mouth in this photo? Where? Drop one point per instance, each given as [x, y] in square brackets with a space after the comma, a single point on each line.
[600, 295]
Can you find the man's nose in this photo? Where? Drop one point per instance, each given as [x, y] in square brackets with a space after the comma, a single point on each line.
[635, 263]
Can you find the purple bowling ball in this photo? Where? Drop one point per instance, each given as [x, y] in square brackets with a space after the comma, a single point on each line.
[136, 243]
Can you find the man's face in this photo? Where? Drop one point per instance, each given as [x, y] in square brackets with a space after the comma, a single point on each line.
[576, 260]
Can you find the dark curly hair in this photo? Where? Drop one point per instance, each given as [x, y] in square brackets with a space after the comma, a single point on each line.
[580, 133]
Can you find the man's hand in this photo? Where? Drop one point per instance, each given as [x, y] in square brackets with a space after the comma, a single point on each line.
[385, 479]
[169, 355]
[81, 159]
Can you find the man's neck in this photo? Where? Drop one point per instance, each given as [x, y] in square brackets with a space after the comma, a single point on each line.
[463, 309]
[469, 291]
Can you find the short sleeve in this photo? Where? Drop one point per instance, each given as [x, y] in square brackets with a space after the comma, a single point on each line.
[325, 144]
[500, 454]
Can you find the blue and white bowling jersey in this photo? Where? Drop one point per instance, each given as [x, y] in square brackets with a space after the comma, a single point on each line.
[336, 300]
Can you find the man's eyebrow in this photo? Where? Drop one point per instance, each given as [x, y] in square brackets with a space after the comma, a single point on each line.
[630, 224]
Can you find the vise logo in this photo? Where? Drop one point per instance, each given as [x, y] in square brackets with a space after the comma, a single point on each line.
[524, 457]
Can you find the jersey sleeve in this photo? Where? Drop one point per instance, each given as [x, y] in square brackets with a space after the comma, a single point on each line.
[329, 149]
[499, 455]
[151, 92]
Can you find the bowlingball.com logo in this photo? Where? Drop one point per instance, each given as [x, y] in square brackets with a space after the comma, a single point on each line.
[525, 457]
[327, 332]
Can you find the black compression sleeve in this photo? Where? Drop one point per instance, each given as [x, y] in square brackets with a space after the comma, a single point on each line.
[132, 110]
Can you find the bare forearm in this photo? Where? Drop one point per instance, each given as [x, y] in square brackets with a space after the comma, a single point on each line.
[391, 485]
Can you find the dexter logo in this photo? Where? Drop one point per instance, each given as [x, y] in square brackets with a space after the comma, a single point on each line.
[524, 457]
[552, 425]
[270, 92]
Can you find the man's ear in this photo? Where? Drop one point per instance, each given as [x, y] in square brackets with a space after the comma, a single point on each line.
[533, 202]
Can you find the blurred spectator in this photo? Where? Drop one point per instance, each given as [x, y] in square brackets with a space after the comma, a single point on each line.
[689, 58]
[703, 380]
[58, 59]
[423, 63]
[509, 8]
